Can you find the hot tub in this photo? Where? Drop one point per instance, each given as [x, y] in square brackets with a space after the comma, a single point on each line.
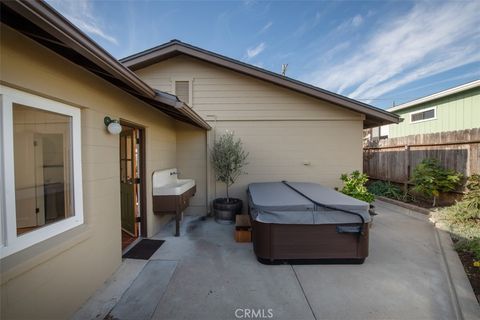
[307, 222]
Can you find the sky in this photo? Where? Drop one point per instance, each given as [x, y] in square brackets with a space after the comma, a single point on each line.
[379, 52]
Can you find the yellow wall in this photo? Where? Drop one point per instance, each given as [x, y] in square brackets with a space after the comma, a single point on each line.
[280, 128]
[52, 279]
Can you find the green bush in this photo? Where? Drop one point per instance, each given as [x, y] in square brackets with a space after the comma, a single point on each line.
[429, 179]
[386, 189]
[469, 245]
[467, 210]
[354, 186]
[472, 197]
[463, 219]
[228, 159]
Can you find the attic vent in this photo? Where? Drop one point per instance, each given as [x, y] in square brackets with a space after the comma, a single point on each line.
[182, 91]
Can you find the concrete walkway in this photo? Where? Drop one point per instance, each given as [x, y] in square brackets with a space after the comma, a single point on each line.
[206, 275]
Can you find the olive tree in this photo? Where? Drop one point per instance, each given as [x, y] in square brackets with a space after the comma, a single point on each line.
[228, 159]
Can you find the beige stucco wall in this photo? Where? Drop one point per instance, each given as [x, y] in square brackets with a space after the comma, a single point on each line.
[52, 279]
[280, 128]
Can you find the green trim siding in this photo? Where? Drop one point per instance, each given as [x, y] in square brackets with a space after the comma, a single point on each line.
[456, 112]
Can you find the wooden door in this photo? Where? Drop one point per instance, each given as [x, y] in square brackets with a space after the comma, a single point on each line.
[128, 179]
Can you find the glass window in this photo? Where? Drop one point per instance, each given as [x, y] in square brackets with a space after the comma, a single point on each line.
[43, 167]
[423, 115]
[41, 186]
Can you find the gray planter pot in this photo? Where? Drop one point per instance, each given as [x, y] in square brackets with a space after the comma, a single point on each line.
[225, 212]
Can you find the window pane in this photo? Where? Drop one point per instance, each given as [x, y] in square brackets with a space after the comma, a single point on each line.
[416, 116]
[429, 114]
[43, 167]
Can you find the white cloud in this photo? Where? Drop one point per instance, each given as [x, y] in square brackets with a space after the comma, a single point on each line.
[354, 22]
[429, 39]
[330, 53]
[308, 25]
[252, 52]
[265, 27]
[80, 13]
[357, 20]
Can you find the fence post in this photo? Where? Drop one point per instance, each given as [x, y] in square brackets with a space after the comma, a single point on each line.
[407, 167]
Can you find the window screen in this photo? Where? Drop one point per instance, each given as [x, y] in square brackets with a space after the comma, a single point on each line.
[423, 115]
[182, 91]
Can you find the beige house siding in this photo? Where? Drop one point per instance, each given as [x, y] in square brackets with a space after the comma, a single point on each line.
[315, 151]
[281, 129]
[54, 277]
[192, 163]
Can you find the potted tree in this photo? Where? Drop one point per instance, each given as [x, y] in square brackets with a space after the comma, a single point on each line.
[228, 159]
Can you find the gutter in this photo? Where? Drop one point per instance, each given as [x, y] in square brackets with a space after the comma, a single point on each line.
[172, 100]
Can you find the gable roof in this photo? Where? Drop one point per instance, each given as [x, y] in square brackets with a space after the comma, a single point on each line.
[374, 116]
[43, 24]
[441, 94]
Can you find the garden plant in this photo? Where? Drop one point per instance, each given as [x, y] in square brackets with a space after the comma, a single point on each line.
[354, 185]
[430, 179]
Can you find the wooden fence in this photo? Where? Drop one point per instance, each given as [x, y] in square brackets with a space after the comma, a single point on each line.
[394, 159]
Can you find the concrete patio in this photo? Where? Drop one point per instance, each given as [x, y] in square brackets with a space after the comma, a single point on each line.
[411, 273]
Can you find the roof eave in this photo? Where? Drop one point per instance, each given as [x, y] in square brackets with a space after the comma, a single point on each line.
[48, 20]
[437, 95]
[151, 56]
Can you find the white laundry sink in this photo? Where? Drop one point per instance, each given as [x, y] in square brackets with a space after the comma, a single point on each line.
[166, 183]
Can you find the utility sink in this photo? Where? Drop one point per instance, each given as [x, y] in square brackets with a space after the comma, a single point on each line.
[171, 195]
[166, 183]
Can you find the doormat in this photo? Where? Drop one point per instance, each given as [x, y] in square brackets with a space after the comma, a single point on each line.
[144, 249]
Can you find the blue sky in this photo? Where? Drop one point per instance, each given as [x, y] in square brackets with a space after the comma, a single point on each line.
[378, 52]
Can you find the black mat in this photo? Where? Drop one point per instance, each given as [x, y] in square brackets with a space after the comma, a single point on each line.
[144, 249]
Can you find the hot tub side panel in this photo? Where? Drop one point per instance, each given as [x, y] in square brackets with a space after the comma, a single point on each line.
[295, 241]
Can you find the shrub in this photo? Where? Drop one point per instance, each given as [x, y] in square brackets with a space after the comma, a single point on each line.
[472, 197]
[228, 159]
[429, 179]
[467, 210]
[354, 186]
[469, 245]
[385, 189]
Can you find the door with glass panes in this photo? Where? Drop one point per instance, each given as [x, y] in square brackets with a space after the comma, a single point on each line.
[129, 180]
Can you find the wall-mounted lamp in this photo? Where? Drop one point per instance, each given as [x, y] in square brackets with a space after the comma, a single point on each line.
[113, 126]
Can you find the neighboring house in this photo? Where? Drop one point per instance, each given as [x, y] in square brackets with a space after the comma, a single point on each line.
[62, 174]
[453, 109]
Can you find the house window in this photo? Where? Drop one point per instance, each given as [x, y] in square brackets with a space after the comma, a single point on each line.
[42, 187]
[423, 115]
[183, 91]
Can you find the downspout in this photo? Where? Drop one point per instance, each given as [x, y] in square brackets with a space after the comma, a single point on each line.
[207, 156]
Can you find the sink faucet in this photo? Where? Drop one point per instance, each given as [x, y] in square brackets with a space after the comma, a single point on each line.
[174, 172]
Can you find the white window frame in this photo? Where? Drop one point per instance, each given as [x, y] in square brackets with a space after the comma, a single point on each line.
[190, 89]
[423, 110]
[10, 242]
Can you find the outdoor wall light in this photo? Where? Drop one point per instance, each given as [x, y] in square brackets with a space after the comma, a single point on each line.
[113, 126]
